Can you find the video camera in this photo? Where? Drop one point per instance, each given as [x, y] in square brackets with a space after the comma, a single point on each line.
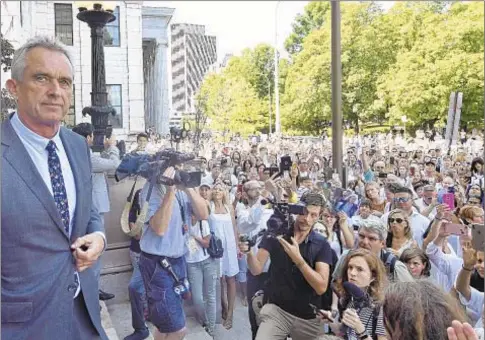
[281, 221]
[154, 167]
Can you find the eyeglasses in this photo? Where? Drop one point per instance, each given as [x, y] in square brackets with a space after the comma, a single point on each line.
[397, 220]
[401, 199]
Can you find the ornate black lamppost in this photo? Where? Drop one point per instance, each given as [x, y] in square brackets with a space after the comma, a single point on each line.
[97, 16]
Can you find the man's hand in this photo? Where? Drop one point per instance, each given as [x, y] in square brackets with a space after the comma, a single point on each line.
[293, 250]
[243, 247]
[469, 256]
[343, 220]
[87, 249]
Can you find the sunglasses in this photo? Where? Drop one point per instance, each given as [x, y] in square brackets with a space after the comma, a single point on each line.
[401, 200]
[397, 220]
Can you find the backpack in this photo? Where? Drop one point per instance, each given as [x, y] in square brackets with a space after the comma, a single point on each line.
[215, 250]
[389, 260]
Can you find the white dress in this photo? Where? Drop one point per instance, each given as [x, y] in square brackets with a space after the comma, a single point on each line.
[222, 226]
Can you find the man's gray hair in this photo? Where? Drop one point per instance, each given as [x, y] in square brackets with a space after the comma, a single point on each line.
[374, 226]
[49, 43]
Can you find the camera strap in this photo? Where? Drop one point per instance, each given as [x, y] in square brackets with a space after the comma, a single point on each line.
[130, 196]
[182, 211]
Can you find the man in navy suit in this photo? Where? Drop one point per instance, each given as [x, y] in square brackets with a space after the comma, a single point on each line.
[51, 233]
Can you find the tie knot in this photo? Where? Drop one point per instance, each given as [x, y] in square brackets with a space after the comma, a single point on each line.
[51, 147]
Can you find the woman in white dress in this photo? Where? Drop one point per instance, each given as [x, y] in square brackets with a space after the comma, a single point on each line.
[222, 222]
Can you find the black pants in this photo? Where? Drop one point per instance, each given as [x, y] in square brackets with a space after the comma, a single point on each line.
[254, 283]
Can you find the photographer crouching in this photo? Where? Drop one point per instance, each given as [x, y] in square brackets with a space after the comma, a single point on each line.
[298, 275]
[162, 262]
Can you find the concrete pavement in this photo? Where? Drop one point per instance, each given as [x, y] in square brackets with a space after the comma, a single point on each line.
[116, 315]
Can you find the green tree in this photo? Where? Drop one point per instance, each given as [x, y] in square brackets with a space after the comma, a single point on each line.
[313, 17]
[232, 105]
[8, 103]
[447, 56]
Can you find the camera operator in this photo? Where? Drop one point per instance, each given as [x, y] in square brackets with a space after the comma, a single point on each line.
[162, 261]
[299, 275]
[251, 222]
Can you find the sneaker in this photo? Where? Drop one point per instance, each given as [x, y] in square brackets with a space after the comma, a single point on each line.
[139, 334]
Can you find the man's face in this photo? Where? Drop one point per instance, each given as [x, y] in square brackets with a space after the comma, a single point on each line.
[403, 201]
[305, 222]
[204, 192]
[45, 92]
[253, 190]
[379, 166]
[142, 143]
[216, 171]
[430, 168]
[428, 196]
[370, 241]
[364, 211]
[307, 184]
[303, 167]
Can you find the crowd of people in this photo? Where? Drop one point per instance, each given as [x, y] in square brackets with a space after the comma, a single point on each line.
[398, 226]
[390, 247]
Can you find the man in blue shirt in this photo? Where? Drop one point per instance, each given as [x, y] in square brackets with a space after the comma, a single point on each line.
[163, 238]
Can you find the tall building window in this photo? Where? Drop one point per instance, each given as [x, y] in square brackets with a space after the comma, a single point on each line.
[70, 119]
[112, 30]
[114, 99]
[63, 23]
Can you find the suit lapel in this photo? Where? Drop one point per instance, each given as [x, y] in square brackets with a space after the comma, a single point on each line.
[74, 162]
[18, 157]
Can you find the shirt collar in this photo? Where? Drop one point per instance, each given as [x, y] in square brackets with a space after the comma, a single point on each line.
[33, 139]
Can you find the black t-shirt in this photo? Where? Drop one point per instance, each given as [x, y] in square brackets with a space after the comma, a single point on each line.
[476, 281]
[288, 288]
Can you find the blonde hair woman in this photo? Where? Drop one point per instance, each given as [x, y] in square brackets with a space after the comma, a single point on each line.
[222, 222]
[372, 193]
[400, 235]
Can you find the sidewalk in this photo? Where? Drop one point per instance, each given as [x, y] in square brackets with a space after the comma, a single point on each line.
[116, 316]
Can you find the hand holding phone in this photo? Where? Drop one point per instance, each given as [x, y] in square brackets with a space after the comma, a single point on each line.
[454, 229]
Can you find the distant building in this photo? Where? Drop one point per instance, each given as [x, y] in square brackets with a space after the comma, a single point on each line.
[193, 53]
[136, 57]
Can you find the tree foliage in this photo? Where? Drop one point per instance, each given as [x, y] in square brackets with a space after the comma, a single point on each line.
[403, 62]
[8, 102]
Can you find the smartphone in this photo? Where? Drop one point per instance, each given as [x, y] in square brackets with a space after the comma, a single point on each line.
[285, 163]
[478, 236]
[449, 200]
[455, 229]
[412, 171]
[391, 161]
[382, 175]
[239, 188]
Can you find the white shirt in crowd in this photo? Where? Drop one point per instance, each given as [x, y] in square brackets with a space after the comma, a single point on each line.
[196, 252]
[251, 220]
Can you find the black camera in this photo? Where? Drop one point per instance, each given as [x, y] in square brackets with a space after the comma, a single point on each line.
[251, 241]
[155, 167]
[279, 224]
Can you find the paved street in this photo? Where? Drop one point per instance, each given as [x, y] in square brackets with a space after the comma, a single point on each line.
[117, 315]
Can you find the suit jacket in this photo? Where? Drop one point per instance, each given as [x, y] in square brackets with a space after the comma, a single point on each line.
[103, 163]
[37, 263]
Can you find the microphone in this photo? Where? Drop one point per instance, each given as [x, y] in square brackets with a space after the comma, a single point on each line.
[358, 298]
